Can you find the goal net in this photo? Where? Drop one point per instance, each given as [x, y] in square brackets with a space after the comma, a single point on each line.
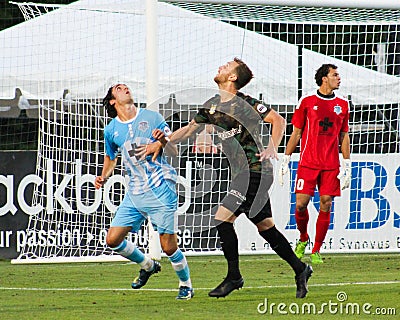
[66, 58]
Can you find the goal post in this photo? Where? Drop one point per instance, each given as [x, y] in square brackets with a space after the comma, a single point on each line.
[72, 54]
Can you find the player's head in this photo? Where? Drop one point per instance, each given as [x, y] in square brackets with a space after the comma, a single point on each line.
[235, 71]
[243, 72]
[118, 94]
[324, 71]
[110, 108]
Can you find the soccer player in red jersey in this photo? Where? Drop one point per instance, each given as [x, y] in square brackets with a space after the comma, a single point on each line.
[321, 122]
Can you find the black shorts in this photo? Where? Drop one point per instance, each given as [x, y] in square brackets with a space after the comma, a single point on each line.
[249, 194]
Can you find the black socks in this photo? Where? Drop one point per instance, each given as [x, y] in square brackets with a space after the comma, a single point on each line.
[282, 247]
[230, 247]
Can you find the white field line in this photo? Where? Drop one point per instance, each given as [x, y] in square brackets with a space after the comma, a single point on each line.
[243, 258]
[338, 284]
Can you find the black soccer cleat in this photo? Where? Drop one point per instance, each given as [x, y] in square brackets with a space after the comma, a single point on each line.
[301, 281]
[144, 275]
[226, 287]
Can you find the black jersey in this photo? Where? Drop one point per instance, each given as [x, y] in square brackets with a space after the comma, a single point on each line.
[237, 125]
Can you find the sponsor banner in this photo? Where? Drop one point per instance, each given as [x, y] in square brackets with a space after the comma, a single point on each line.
[365, 218]
[15, 167]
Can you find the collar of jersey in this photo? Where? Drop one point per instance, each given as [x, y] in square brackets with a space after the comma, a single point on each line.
[237, 96]
[139, 110]
[324, 96]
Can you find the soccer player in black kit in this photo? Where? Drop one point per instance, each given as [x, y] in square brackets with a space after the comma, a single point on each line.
[236, 119]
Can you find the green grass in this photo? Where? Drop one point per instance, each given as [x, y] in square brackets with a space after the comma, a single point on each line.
[102, 290]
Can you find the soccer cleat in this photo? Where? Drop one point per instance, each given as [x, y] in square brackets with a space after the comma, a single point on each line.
[185, 293]
[226, 287]
[300, 248]
[144, 275]
[301, 281]
[316, 258]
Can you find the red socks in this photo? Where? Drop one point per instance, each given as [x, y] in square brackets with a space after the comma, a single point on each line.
[322, 227]
[302, 222]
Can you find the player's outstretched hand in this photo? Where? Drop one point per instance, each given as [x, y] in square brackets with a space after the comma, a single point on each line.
[268, 153]
[284, 168]
[345, 173]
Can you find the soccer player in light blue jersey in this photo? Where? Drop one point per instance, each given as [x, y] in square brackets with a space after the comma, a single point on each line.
[151, 189]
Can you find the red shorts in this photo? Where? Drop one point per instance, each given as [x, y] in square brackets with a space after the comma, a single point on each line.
[326, 180]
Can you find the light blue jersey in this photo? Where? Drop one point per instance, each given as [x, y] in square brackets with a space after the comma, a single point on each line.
[144, 174]
[151, 190]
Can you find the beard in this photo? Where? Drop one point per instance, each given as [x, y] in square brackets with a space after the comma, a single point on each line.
[218, 79]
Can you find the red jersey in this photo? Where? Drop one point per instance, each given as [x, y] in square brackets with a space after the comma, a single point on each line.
[322, 119]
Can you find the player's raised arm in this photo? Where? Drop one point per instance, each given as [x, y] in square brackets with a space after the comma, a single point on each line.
[169, 143]
[278, 129]
[154, 148]
[185, 132]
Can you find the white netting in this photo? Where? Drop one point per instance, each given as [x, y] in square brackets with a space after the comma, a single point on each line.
[73, 54]
[32, 10]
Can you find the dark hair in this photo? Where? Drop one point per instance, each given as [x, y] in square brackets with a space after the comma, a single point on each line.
[323, 72]
[244, 74]
[112, 113]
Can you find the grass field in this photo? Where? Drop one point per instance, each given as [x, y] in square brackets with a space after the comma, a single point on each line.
[337, 289]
